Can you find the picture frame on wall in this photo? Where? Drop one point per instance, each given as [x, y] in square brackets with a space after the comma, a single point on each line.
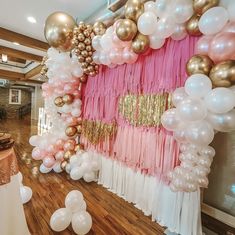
[14, 96]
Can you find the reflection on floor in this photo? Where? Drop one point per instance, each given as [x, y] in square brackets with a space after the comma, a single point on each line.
[111, 215]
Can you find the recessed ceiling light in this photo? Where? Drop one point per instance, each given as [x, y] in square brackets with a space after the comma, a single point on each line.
[16, 43]
[31, 19]
[4, 58]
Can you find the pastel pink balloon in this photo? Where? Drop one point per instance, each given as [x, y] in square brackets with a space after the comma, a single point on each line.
[116, 41]
[59, 155]
[69, 145]
[202, 45]
[129, 56]
[51, 148]
[36, 154]
[49, 161]
[230, 27]
[115, 56]
[222, 47]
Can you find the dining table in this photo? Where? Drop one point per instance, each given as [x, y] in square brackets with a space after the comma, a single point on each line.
[12, 216]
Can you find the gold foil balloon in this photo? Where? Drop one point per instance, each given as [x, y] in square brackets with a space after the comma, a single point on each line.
[126, 30]
[58, 101]
[99, 28]
[199, 64]
[68, 154]
[79, 147]
[223, 74]
[192, 26]
[79, 129]
[58, 31]
[134, 9]
[71, 131]
[68, 99]
[63, 165]
[201, 6]
[140, 43]
[83, 78]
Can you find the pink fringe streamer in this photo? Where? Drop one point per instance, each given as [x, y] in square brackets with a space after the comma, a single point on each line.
[152, 150]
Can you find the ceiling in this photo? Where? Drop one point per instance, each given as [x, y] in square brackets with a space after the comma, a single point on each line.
[25, 57]
[14, 13]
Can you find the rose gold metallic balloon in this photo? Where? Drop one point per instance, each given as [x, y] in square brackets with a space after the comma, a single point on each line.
[201, 6]
[199, 64]
[126, 30]
[192, 26]
[83, 78]
[68, 154]
[140, 43]
[223, 74]
[68, 99]
[59, 101]
[99, 28]
[134, 9]
[71, 131]
[58, 31]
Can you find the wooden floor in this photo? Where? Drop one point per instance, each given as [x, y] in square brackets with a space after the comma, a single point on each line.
[111, 215]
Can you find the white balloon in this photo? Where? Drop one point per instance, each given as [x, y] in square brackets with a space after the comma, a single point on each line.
[220, 100]
[190, 110]
[198, 85]
[155, 41]
[68, 168]
[74, 200]
[200, 133]
[44, 169]
[170, 119]
[225, 3]
[81, 222]
[95, 166]
[181, 10]
[25, 193]
[20, 177]
[96, 43]
[150, 6]
[106, 42]
[89, 176]
[104, 59]
[161, 7]
[231, 11]
[165, 27]
[146, 23]
[178, 95]
[34, 140]
[213, 20]
[77, 71]
[57, 168]
[179, 32]
[60, 219]
[76, 173]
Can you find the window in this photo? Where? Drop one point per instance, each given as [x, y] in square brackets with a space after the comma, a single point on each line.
[14, 96]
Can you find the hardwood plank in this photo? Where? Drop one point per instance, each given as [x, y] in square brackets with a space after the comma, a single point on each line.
[111, 215]
[11, 75]
[20, 54]
[11, 36]
[33, 72]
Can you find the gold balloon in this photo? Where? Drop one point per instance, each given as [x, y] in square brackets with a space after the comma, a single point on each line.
[201, 6]
[81, 46]
[140, 43]
[81, 59]
[71, 131]
[89, 59]
[83, 78]
[58, 31]
[68, 99]
[134, 9]
[84, 65]
[87, 41]
[84, 53]
[99, 28]
[58, 101]
[79, 129]
[192, 26]
[81, 37]
[63, 165]
[223, 74]
[199, 64]
[126, 30]
[79, 147]
[68, 154]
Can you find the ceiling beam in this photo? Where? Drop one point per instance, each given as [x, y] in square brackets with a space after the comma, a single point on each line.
[33, 72]
[19, 54]
[11, 36]
[14, 59]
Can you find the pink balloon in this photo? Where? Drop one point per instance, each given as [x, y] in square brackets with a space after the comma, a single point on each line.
[202, 45]
[36, 154]
[51, 148]
[59, 155]
[49, 161]
[129, 56]
[222, 47]
[230, 27]
[117, 42]
[69, 145]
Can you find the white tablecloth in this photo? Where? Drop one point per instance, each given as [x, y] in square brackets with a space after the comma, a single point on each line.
[12, 217]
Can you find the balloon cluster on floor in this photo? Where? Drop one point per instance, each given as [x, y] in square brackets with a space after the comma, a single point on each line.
[199, 111]
[75, 212]
[25, 191]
